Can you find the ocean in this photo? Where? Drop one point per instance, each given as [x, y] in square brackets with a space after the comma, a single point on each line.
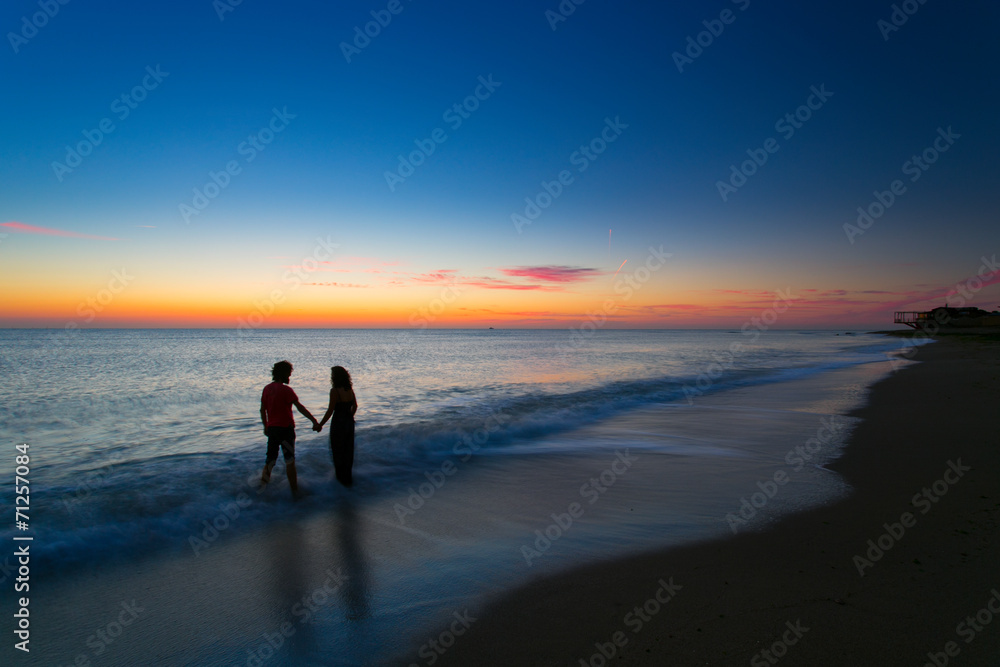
[146, 444]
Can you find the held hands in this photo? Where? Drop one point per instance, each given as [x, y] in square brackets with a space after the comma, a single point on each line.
[317, 426]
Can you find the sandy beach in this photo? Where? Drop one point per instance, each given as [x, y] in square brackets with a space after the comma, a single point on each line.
[903, 571]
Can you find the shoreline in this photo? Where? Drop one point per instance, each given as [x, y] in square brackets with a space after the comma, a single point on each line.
[811, 586]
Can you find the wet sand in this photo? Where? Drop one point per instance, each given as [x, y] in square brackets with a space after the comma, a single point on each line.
[906, 569]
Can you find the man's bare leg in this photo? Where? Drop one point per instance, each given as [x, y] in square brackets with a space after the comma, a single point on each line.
[293, 479]
[265, 476]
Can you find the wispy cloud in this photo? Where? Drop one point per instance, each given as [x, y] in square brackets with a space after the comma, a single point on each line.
[750, 292]
[348, 264]
[552, 274]
[46, 231]
[497, 283]
[351, 285]
[538, 278]
[361, 264]
[673, 306]
[439, 276]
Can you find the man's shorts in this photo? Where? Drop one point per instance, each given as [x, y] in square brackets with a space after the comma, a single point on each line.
[280, 436]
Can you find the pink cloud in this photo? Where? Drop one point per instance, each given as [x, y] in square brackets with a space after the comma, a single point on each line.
[675, 306]
[451, 277]
[31, 229]
[548, 278]
[439, 276]
[552, 274]
[492, 283]
[747, 292]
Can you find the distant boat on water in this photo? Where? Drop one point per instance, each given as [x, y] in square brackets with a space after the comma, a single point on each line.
[944, 319]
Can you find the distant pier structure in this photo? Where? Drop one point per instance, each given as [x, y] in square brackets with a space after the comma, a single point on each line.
[946, 319]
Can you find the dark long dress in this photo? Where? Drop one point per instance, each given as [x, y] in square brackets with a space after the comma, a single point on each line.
[342, 441]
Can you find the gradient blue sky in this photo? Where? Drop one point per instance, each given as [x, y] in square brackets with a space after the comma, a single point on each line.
[450, 222]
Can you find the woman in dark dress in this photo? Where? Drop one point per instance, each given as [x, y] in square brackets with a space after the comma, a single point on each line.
[340, 413]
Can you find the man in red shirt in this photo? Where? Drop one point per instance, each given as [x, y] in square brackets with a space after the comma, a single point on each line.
[276, 403]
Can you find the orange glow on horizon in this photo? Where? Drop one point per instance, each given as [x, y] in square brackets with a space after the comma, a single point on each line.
[437, 300]
[385, 309]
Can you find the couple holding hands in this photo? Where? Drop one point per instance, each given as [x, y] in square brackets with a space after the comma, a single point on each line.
[276, 403]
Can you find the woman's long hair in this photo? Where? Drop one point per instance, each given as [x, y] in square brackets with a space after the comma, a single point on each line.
[340, 378]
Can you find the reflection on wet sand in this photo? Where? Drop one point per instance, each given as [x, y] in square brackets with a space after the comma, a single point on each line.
[347, 540]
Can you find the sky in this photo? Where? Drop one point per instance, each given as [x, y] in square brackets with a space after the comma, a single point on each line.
[549, 164]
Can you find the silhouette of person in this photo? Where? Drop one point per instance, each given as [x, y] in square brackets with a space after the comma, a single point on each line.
[343, 405]
[276, 403]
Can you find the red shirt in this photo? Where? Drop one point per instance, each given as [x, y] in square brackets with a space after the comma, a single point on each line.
[276, 401]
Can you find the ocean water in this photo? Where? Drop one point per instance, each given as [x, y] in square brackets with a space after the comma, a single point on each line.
[138, 437]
